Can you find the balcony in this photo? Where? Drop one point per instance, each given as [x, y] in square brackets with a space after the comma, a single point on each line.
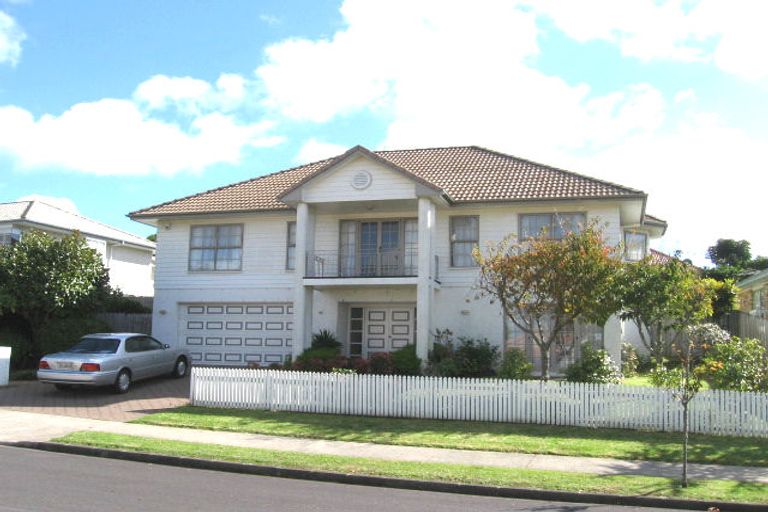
[335, 264]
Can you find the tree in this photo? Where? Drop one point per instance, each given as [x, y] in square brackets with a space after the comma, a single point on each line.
[42, 277]
[545, 285]
[659, 300]
[732, 253]
[687, 380]
[152, 237]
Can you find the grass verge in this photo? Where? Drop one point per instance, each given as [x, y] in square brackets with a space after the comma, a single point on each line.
[708, 490]
[470, 435]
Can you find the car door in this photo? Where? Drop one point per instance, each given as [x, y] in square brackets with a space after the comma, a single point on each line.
[140, 357]
[164, 357]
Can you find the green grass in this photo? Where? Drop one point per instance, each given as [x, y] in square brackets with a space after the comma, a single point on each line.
[470, 435]
[714, 490]
[644, 380]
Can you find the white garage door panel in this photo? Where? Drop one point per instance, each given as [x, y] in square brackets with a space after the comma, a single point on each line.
[237, 334]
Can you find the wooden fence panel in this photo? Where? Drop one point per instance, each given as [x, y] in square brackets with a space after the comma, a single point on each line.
[546, 403]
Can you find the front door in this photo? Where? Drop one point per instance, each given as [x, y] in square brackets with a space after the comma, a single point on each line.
[381, 329]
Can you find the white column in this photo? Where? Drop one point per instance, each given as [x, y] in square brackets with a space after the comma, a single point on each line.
[302, 302]
[613, 335]
[424, 287]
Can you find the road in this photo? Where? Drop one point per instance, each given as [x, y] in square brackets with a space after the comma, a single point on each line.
[33, 480]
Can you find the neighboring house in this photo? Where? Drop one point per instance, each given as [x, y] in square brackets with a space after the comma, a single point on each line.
[374, 246]
[129, 258]
[753, 294]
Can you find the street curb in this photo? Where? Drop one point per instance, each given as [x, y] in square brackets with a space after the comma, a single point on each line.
[393, 483]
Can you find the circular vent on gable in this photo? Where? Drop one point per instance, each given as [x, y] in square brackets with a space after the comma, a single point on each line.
[361, 180]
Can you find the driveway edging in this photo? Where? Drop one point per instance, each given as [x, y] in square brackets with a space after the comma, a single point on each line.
[394, 483]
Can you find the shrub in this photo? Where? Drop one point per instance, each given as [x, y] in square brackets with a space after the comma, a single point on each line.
[344, 371]
[476, 358]
[737, 364]
[594, 366]
[116, 302]
[360, 365]
[325, 339]
[629, 360]
[515, 365]
[381, 363]
[320, 360]
[470, 358]
[405, 361]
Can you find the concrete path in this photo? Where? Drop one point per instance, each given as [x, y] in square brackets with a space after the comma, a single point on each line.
[22, 426]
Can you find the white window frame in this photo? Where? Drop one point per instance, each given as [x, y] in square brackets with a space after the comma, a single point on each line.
[452, 239]
[290, 265]
[553, 216]
[629, 233]
[216, 248]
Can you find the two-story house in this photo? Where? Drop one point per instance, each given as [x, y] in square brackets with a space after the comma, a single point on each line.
[128, 257]
[374, 246]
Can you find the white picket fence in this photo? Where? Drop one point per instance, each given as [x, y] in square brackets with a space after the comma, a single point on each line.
[550, 403]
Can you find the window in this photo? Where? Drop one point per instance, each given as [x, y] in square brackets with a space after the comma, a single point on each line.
[290, 250]
[9, 238]
[551, 225]
[635, 245]
[216, 247]
[465, 235]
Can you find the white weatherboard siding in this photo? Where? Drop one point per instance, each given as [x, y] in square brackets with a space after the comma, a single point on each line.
[130, 270]
[336, 185]
[264, 279]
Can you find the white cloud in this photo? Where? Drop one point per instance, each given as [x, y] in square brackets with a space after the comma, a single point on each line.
[731, 35]
[64, 203]
[457, 75]
[115, 137]
[191, 95]
[11, 37]
[313, 150]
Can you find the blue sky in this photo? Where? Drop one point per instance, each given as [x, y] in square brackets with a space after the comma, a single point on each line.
[110, 106]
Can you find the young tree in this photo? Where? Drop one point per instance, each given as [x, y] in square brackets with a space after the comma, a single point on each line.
[42, 276]
[545, 285]
[687, 380]
[657, 298]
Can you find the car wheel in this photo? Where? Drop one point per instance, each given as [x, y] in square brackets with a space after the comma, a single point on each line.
[123, 381]
[180, 368]
[63, 387]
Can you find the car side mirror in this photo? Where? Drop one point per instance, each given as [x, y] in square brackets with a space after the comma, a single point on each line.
[166, 346]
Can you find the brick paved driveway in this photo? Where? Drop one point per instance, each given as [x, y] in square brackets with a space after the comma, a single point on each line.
[145, 397]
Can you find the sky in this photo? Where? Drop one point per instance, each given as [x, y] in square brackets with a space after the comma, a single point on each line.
[109, 106]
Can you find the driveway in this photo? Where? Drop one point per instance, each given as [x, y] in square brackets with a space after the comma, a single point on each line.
[145, 397]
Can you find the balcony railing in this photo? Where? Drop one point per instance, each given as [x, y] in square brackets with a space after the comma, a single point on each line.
[396, 263]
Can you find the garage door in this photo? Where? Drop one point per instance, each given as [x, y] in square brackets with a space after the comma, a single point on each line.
[237, 334]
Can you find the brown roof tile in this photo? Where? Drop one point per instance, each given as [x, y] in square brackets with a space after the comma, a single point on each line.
[465, 174]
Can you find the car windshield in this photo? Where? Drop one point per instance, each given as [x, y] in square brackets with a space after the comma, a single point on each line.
[95, 346]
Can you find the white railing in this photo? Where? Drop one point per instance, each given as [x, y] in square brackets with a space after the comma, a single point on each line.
[551, 403]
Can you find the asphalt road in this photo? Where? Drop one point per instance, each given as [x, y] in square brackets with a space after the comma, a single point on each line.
[32, 480]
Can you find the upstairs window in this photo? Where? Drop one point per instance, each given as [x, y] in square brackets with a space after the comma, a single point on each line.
[217, 247]
[635, 245]
[290, 249]
[551, 225]
[465, 235]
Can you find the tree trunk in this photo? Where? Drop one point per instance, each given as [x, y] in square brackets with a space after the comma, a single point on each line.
[685, 444]
[544, 363]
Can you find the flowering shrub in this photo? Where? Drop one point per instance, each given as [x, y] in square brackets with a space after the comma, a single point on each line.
[737, 364]
[594, 366]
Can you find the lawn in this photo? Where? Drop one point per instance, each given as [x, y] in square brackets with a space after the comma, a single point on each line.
[501, 437]
[710, 490]
[644, 380]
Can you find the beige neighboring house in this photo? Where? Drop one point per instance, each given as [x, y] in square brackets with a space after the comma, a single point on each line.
[372, 245]
[753, 294]
[129, 257]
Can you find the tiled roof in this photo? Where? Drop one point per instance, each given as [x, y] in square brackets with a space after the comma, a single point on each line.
[660, 258]
[465, 174]
[43, 214]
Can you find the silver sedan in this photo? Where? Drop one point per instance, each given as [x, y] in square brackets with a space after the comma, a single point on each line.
[112, 359]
